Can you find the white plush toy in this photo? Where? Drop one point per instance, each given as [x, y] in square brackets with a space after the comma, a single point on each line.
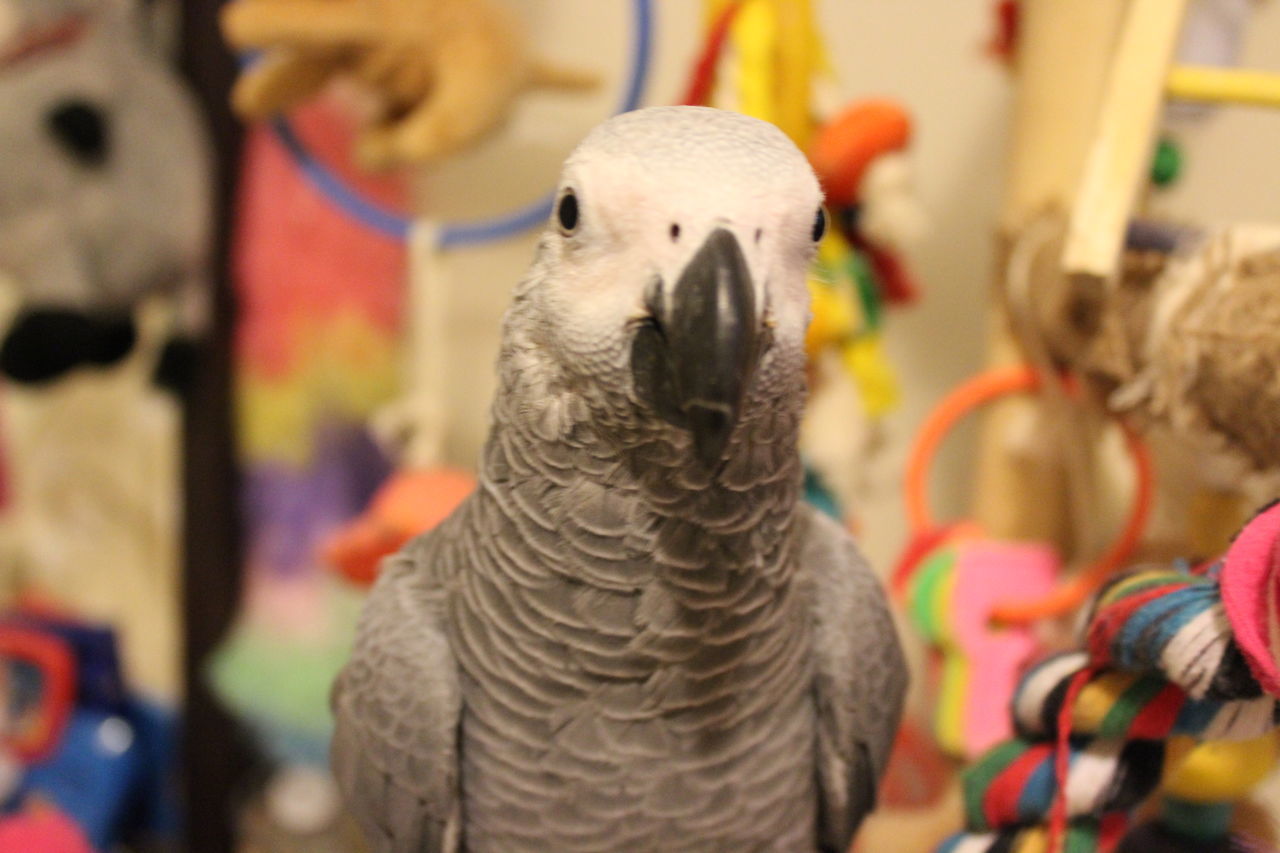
[104, 225]
[104, 185]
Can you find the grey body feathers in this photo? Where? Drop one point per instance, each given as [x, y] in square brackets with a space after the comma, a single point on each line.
[586, 669]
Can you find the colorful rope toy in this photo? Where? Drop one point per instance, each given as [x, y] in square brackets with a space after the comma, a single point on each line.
[974, 598]
[1171, 691]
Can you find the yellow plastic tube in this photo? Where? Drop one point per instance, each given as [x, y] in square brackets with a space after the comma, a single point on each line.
[1224, 86]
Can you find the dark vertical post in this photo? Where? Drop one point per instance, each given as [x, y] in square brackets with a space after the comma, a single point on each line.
[215, 754]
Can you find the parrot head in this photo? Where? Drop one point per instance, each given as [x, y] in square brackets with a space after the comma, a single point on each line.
[671, 280]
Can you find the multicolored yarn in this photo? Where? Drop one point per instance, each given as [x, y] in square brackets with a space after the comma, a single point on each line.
[1171, 622]
[1133, 706]
[1159, 681]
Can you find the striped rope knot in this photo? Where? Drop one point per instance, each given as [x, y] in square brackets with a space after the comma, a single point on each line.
[1158, 672]
[1170, 622]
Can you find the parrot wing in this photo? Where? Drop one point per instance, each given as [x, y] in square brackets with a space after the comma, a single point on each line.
[860, 678]
[397, 704]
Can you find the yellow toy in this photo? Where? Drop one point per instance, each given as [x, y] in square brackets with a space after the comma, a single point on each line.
[443, 73]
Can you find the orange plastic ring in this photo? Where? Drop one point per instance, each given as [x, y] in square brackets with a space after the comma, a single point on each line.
[978, 391]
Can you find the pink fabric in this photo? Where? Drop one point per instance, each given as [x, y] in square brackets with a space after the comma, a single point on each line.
[1250, 575]
[42, 830]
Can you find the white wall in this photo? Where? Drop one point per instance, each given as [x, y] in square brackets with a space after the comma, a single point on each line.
[929, 54]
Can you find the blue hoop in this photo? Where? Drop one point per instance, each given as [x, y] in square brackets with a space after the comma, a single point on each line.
[396, 225]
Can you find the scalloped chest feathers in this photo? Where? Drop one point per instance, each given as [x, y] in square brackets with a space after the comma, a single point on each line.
[635, 670]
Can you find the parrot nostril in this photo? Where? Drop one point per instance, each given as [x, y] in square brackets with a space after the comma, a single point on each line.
[759, 234]
[675, 231]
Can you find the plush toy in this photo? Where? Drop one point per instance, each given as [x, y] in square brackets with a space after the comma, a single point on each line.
[104, 190]
[634, 633]
[443, 72]
[104, 225]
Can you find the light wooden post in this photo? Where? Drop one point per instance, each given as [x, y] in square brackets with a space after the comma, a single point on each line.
[1064, 54]
[1124, 134]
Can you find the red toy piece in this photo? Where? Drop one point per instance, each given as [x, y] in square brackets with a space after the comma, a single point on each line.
[1250, 584]
[1004, 41]
[42, 829]
[409, 503]
[31, 733]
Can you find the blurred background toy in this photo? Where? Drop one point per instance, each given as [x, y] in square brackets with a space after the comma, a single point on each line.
[104, 245]
[316, 354]
[862, 157]
[441, 73]
[406, 504]
[1086, 283]
[983, 603]
[85, 748]
[42, 828]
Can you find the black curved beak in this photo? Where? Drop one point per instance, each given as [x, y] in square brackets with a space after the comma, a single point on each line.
[694, 358]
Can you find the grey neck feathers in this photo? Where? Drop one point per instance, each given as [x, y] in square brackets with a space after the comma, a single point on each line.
[582, 458]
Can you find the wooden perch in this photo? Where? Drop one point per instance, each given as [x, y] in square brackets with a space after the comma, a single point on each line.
[1119, 159]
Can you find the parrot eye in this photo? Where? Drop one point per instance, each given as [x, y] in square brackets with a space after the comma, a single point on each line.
[819, 225]
[567, 212]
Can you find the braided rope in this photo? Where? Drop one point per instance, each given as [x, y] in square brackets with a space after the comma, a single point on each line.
[1159, 670]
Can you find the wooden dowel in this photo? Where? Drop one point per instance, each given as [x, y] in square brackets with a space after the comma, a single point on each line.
[1121, 153]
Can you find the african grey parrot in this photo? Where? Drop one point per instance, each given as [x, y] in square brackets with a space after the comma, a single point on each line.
[634, 635]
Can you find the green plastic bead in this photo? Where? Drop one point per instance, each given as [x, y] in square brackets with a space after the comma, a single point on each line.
[1166, 166]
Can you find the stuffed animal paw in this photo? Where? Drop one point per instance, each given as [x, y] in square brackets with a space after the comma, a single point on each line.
[444, 72]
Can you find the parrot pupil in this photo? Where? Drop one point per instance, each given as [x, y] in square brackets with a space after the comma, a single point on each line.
[819, 225]
[568, 212]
